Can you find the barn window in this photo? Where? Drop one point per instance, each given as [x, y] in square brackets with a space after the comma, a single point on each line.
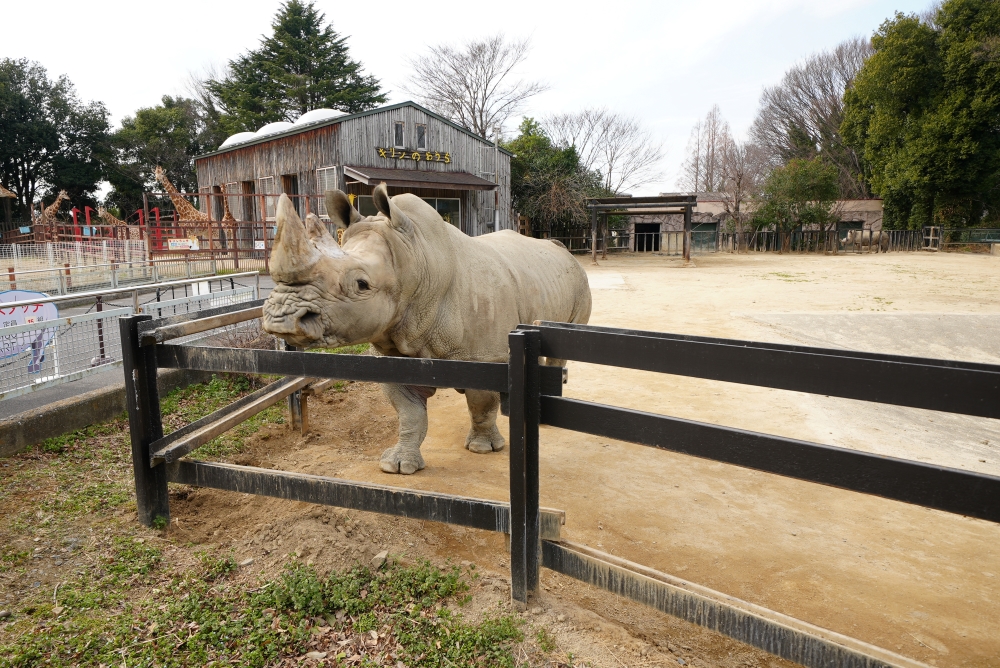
[450, 209]
[421, 137]
[326, 179]
[398, 135]
[265, 185]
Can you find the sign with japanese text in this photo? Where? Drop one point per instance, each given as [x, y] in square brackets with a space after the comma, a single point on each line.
[410, 154]
[34, 340]
[182, 244]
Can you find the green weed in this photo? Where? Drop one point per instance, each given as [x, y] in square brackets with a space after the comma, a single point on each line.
[195, 620]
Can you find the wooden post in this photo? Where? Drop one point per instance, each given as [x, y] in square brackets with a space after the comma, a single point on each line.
[604, 237]
[295, 401]
[11, 275]
[593, 233]
[143, 402]
[525, 346]
[304, 401]
[687, 234]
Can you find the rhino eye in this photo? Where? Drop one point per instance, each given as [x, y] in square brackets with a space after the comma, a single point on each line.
[362, 285]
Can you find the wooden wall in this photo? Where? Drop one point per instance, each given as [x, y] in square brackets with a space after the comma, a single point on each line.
[353, 142]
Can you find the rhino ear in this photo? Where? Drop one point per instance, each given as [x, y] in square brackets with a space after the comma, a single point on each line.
[338, 207]
[387, 208]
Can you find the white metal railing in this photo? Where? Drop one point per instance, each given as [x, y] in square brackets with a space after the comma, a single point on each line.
[88, 277]
[41, 354]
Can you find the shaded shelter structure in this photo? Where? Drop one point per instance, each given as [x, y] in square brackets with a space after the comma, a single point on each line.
[603, 207]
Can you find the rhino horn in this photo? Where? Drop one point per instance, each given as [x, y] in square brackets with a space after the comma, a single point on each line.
[340, 210]
[320, 237]
[293, 255]
[387, 208]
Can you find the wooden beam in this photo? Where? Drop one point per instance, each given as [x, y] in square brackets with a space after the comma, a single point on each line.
[168, 332]
[773, 632]
[172, 447]
[434, 506]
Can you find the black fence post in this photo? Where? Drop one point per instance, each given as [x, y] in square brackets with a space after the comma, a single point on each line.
[524, 416]
[143, 402]
[294, 399]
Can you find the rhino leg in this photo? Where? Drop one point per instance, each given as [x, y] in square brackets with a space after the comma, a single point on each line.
[484, 437]
[410, 402]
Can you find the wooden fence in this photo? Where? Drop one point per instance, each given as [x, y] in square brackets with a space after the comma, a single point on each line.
[532, 396]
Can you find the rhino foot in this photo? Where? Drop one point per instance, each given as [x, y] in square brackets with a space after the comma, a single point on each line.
[400, 460]
[484, 442]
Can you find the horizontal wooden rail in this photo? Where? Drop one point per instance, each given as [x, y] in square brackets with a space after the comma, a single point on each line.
[434, 506]
[175, 445]
[951, 490]
[754, 625]
[195, 326]
[489, 376]
[940, 385]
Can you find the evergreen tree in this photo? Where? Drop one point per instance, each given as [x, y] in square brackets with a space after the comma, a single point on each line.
[548, 184]
[924, 112]
[303, 65]
[803, 192]
[50, 140]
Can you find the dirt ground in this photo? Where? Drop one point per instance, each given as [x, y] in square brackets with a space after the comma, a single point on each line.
[922, 583]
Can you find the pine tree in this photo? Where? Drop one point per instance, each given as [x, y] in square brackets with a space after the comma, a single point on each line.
[303, 65]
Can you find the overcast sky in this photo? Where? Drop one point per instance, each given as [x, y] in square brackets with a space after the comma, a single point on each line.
[665, 62]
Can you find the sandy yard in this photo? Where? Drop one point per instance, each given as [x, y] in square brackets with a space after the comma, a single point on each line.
[923, 583]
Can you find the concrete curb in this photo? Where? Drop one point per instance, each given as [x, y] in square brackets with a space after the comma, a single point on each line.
[19, 432]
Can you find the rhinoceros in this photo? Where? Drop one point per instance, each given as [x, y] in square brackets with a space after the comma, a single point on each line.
[867, 239]
[413, 285]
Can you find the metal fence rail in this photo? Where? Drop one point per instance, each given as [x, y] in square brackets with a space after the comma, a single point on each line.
[37, 355]
[532, 396]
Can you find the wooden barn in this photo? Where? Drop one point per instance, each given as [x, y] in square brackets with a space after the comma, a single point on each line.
[407, 147]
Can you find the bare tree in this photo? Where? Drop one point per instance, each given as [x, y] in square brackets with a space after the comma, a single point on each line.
[801, 116]
[474, 86]
[744, 167]
[702, 168]
[618, 147]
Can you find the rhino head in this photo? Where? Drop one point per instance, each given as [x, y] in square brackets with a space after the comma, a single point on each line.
[333, 296]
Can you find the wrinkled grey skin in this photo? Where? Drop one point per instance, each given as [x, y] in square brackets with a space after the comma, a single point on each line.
[413, 285]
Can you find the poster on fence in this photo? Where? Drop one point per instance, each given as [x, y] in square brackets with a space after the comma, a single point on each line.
[34, 340]
[182, 244]
[258, 245]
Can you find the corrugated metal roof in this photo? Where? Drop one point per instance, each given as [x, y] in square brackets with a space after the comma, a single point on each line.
[306, 127]
[413, 178]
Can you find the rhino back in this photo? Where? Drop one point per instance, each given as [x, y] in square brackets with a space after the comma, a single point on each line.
[499, 281]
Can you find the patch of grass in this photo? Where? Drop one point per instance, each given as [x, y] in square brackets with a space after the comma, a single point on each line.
[357, 349]
[357, 617]
[546, 641]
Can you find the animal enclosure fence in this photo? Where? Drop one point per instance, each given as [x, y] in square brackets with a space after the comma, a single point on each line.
[532, 396]
[41, 347]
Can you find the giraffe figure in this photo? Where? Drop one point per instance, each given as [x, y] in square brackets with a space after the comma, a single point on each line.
[122, 229]
[49, 213]
[227, 216]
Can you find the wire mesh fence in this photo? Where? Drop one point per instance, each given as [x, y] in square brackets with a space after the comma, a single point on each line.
[40, 347]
